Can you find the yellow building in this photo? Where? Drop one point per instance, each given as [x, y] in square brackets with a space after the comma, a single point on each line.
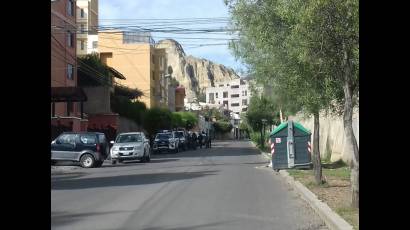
[135, 56]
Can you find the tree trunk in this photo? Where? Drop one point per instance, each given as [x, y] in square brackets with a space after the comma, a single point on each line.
[351, 143]
[348, 128]
[261, 138]
[317, 166]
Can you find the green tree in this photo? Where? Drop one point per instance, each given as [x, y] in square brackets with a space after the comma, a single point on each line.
[261, 108]
[125, 107]
[222, 126]
[310, 50]
[277, 58]
[92, 72]
[176, 120]
[155, 119]
[189, 119]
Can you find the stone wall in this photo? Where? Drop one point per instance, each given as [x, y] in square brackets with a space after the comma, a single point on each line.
[98, 100]
[332, 135]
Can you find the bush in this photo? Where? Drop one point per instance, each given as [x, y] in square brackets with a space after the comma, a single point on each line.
[155, 119]
[222, 126]
[126, 108]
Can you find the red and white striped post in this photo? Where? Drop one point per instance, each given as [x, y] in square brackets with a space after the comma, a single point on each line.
[309, 148]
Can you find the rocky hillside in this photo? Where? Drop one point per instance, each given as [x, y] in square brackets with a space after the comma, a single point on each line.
[195, 74]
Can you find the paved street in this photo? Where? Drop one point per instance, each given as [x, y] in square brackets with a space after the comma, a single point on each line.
[226, 187]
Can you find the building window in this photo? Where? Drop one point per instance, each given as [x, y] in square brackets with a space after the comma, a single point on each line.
[82, 28]
[82, 13]
[70, 71]
[244, 102]
[95, 44]
[235, 87]
[221, 85]
[236, 122]
[225, 103]
[153, 75]
[70, 7]
[153, 59]
[216, 95]
[235, 104]
[225, 94]
[246, 93]
[82, 45]
[234, 95]
[244, 109]
[211, 98]
[70, 39]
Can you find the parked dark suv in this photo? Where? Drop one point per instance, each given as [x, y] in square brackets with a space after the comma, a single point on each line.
[88, 148]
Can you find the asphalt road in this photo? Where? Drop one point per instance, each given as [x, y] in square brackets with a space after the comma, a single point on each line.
[226, 187]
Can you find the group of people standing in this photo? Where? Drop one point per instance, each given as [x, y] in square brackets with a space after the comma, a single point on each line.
[202, 139]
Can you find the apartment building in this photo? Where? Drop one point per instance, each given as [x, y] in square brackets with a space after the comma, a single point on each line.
[66, 98]
[87, 26]
[144, 66]
[234, 95]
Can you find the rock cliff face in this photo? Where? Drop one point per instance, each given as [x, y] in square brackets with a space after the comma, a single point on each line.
[195, 74]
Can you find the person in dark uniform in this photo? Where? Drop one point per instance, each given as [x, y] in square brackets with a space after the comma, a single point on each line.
[200, 138]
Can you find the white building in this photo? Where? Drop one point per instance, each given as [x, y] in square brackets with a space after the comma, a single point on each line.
[87, 23]
[234, 95]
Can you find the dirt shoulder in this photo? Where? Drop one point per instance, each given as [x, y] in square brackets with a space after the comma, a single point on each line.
[336, 192]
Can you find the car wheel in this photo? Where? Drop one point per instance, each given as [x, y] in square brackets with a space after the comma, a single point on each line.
[120, 161]
[87, 161]
[143, 158]
[113, 162]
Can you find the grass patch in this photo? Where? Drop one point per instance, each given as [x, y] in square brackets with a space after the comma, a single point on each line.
[334, 191]
[296, 173]
[350, 215]
[340, 173]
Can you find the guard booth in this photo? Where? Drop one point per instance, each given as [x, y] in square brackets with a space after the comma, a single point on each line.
[290, 146]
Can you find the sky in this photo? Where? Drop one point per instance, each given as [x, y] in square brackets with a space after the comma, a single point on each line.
[177, 9]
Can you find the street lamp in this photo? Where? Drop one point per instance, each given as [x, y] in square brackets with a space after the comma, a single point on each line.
[263, 132]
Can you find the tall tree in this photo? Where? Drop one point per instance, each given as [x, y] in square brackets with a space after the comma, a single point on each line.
[310, 50]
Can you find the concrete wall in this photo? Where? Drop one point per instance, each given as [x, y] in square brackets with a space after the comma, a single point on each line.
[98, 100]
[127, 125]
[332, 135]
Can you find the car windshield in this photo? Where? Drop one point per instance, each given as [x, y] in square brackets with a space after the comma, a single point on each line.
[163, 136]
[180, 134]
[127, 138]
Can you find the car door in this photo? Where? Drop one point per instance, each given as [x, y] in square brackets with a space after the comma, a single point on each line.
[86, 142]
[64, 146]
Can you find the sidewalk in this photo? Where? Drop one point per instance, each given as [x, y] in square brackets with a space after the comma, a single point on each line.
[331, 218]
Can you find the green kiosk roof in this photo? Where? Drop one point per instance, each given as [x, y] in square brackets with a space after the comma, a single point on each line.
[285, 124]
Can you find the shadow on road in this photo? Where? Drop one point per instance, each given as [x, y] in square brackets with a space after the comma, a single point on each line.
[199, 226]
[131, 163]
[126, 180]
[216, 151]
[65, 218]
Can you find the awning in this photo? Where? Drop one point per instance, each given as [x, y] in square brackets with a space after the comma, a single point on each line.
[64, 94]
[116, 74]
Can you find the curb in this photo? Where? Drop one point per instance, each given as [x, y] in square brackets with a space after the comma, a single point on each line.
[331, 218]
